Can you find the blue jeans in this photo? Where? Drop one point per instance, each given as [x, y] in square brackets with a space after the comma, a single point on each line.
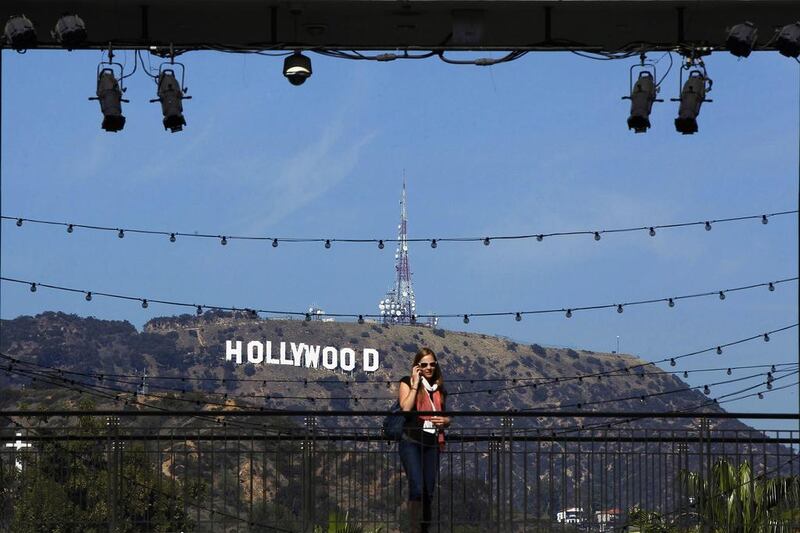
[421, 464]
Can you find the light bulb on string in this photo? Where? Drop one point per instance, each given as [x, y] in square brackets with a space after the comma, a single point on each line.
[597, 235]
[769, 385]
[380, 245]
[88, 296]
[434, 244]
[685, 373]
[308, 317]
[721, 295]
[540, 237]
[771, 287]
[619, 308]
[19, 222]
[224, 240]
[729, 372]
[764, 219]
[274, 243]
[708, 225]
[121, 234]
[672, 362]
[360, 319]
[33, 287]
[652, 231]
[70, 228]
[671, 302]
[766, 337]
[486, 241]
[466, 319]
[760, 396]
[172, 237]
[706, 390]
[568, 314]
[327, 243]
[518, 317]
[772, 368]
[719, 350]
[144, 304]
[199, 310]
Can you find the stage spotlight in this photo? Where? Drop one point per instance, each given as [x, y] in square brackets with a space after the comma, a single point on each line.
[788, 41]
[297, 68]
[70, 31]
[643, 94]
[742, 39]
[171, 97]
[109, 94]
[692, 97]
[20, 33]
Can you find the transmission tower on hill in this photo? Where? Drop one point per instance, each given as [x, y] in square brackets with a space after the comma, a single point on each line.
[399, 305]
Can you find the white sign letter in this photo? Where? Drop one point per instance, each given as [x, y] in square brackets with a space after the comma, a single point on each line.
[255, 352]
[297, 352]
[330, 357]
[312, 356]
[348, 359]
[230, 353]
[371, 360]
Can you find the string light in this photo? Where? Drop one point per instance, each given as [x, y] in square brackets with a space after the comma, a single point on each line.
[434, 244]
[70, 228]
[760, 396]
[380, 245]
[729, 372]
[144, 303]
[360, 319]
[685, 374]
[651, 228]
[224, 240]
[568, 314]
[327, 243]
[466, 319]
[172, 237]
[308, 317]
[569, 311]
[518, 317]
[706, 390]
[33, 287]
[88, 296]
[199, 310]
[274, 243]
[764, 219]
[721, 295]
[672, 362]
[719, 350]
[766, 337]
[671, 302]
[771, 287]
[121, 234]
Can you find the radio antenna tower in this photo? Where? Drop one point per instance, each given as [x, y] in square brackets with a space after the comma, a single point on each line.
[399, 305]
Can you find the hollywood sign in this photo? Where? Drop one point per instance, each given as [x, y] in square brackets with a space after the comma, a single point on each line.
[302, 355]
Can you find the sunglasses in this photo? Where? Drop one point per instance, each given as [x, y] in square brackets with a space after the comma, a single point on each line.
[426, 365]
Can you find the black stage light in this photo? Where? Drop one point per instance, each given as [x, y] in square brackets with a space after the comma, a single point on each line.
[297, 68]
[171, 97]
[109, 95]
[692, 97]
[643, 94]
[70, 31]
[20, 33]
[788, 41]
[742, 39]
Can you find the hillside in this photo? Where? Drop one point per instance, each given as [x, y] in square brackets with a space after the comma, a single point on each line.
[195, 347]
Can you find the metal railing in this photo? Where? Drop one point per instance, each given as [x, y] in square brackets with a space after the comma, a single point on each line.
[122, 472]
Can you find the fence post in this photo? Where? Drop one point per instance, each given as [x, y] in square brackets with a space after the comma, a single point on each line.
[112, 433]
[508, 435]
[308, 473]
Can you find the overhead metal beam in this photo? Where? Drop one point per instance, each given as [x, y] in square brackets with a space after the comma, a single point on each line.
[607, 25]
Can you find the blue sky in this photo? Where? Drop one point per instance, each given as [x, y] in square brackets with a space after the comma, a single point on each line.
[536, 145]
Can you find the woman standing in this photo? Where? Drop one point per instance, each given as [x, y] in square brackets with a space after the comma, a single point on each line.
[423, 436]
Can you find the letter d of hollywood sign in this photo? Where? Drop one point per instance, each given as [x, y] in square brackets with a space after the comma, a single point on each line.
[300, 355]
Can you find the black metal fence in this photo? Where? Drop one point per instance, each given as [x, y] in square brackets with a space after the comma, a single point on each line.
[274, 473]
